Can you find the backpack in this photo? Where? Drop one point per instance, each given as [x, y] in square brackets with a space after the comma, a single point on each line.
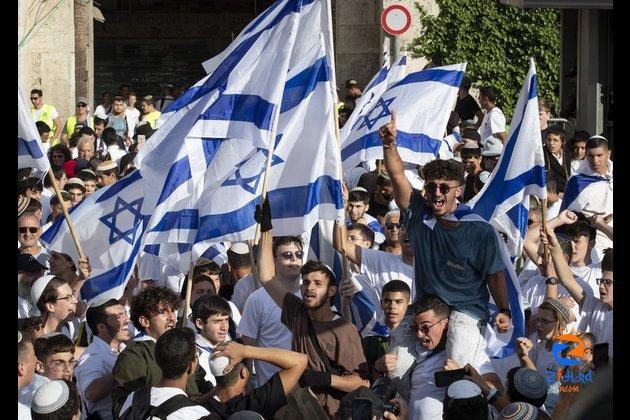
[141, 408]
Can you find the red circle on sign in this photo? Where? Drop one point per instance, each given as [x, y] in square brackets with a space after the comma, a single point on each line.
[396, 30]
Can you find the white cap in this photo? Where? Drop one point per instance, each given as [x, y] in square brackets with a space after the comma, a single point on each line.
[218, 365]
[463, 389]
[492, 146]
[38, 288]
[50, 397]
[240, 248]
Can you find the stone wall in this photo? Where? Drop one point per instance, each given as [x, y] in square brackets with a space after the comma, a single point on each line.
[46, 58]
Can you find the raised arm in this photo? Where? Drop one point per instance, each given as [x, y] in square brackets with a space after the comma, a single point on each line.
[394, 164]
[266, 265]
[561, 266]
[352, 251]
[600, 222]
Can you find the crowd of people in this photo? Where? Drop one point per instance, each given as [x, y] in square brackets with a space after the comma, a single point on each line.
[280, 338]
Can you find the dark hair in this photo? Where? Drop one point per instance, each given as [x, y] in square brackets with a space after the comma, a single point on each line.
[595, 142]
[86, 176]
[466, 83]
[118, 98]
[489, 93]
[236, 260]
[471, 134]
[431, 303]
[580, 228]
[46, 346]
[24, 173]
[544, 104]
[231, 377]
[286, 240]
[579, 136]
[37, 92]
[565, 244]
[33, 206]
[42, 127]
[383, 179]
[198, 278]
[150, 100]
[359, 196]
[318, 266]
[32, 183]
[49, 294]
[607, 261]
[515, 396]
[396, 286]
[147, 303]
[57, 172]
[475, 408]
[448, 170]
[558, 131]
[96, 315]
[366, 232]
[465, 152]
[99, 120]
[66, 411]
[126, 160]
[60, 148]
[210, 305]
[453, 121]
[23, 344]
[110, 171]
[208, 267]
[174, 351]
[31, 324]
[109, 136]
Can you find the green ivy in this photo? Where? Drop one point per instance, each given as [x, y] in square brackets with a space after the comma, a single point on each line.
[497, 41]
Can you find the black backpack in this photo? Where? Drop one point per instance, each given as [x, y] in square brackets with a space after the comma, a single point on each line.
[141, 408]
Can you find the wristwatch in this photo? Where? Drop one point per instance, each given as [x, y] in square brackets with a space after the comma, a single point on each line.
[551, 280]
[506, 311]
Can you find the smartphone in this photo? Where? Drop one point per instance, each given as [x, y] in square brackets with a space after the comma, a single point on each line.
[600, 355]
[361, 408]
[141, 140]
[446, 377]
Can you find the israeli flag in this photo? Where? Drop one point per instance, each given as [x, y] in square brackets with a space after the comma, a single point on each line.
[110, 224]
[422, 101]
[504, 203]
[30, 149]
[588, 187]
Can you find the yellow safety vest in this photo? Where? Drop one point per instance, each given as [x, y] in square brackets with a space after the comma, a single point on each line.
[152, 118]
[72, 121]
[46, 115]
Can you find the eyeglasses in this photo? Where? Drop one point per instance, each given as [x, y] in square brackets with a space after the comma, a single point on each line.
[24, 229]
[288, 255]
[607, 282]
[68, 298]
[81, 105]
[543, 321]
[34, 99]
[58, 156]
[444, 187]
[424, 328]
[60, 365]
[391, 226]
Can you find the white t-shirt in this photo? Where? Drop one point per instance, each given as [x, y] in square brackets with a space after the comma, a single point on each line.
[133, 116]
[242, 290]
[554, 209]
[599, 318]
[261, 321]
[159, 395]
[102, 112]
[24, 412]
[589, 273]
[96, 361]
[493, 122]
[382, 267]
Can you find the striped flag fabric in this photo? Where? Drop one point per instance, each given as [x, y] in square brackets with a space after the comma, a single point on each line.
[30, 150]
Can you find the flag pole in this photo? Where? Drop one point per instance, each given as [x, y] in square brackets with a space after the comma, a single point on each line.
[252, 262]
[64, 207]
[189, 285]
[543, 209]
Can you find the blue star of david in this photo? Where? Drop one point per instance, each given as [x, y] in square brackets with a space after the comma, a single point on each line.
[120, 206]
[250, 183]
[385, 111]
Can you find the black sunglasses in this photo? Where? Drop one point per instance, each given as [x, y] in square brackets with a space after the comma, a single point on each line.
[432, 187]
[391, 226]
[24, 229]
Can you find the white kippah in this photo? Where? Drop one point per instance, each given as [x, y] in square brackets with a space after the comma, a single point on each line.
[358, 189]
[218, 365]
[38, 288]
[50, 397]
[240, 248]
[463, 389]
[597, 136]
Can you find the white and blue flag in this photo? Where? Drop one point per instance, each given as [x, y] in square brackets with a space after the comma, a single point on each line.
[422, 100]
[30, 149]
[110, 224]
[504, 203]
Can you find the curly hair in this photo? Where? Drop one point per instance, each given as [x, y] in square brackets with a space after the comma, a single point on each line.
[150, 301]
[448, 170]
[62, 148]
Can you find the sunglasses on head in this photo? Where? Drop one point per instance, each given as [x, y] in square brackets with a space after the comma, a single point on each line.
[391, 226]
[24, 229]
[288, 255]
[432, 187]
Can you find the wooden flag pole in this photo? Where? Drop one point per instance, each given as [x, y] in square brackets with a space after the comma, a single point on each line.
[252, 262]
[543, 209]
[64, 207]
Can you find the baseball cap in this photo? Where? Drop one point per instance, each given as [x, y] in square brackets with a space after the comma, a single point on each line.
[28, 263]
[492, 146]
[82, 100]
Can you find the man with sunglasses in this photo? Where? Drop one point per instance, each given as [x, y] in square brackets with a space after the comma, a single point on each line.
[261, 323]
[453, 259]
[46, 113]
[81, 117]
[29, 232]
[429, 328]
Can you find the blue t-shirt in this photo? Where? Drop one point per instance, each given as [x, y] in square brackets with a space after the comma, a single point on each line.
[452, 263]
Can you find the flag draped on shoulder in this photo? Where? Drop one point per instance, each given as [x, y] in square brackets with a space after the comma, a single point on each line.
[422, 101]
[30, 150]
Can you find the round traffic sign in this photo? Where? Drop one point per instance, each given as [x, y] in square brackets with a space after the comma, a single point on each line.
[396, 19]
